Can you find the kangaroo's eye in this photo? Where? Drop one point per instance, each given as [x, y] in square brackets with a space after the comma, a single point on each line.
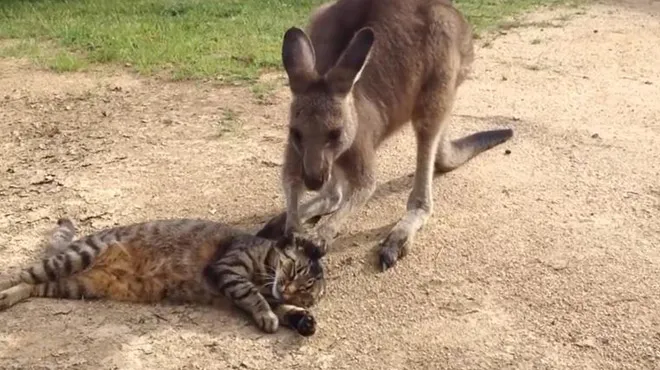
[334, 135]
[295, 135]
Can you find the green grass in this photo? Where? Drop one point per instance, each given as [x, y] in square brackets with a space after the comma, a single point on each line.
[486, 14]
[228, 40]
[229, 123]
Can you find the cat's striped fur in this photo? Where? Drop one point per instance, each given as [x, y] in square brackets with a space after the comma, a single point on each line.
[182, 260]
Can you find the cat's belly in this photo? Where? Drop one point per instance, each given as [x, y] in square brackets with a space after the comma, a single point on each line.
[189, 291]
[124, 274]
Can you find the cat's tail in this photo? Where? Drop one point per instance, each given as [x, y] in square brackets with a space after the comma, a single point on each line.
[68, 256]
[57, 240]
[61, 236]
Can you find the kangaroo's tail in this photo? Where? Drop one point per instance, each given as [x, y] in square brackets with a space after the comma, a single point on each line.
[452, 154]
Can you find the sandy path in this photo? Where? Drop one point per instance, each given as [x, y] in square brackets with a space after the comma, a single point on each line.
[545, 258]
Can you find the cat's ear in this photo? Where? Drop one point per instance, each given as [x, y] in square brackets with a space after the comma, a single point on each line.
[284, 242]
[316, 268]
[309, 249]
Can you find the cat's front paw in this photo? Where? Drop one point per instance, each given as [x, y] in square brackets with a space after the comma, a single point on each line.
[274, 229]
[306, 326]
[267, 321]
[303, 322]
[314, 243]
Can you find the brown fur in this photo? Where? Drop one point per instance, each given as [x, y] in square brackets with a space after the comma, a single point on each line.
[181, 260]
[361, 71]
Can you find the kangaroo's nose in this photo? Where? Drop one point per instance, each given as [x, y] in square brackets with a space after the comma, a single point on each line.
[314, 182]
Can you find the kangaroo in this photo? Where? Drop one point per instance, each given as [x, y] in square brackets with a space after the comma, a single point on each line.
[358, 74]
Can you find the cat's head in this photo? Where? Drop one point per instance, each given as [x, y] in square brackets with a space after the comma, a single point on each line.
[299, 278]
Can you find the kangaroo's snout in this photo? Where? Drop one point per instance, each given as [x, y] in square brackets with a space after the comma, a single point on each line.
[316, 169]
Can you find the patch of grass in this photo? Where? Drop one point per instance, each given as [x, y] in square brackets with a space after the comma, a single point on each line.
[66, 62]
[263, 92]
[15, 48]
[565, 17]
[228, 40]
[44, 54]
[508, 25]
[230, 122]
[488, 14]
[532, 67]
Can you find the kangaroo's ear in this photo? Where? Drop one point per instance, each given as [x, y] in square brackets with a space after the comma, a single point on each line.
[348, 69]
[298, 59]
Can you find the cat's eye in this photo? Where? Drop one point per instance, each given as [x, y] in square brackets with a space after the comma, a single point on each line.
[334, 135]
[293, 273]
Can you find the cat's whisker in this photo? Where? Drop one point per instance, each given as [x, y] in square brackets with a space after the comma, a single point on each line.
[268, 284]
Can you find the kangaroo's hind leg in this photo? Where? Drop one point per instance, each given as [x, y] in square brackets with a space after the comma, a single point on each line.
[430, 120]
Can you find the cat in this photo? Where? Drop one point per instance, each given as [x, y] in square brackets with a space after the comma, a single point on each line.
[178, 260]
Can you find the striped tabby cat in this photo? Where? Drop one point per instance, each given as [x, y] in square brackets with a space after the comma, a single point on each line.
[179, 260]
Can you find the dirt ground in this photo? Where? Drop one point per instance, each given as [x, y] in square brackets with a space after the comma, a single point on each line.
[545, 258]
